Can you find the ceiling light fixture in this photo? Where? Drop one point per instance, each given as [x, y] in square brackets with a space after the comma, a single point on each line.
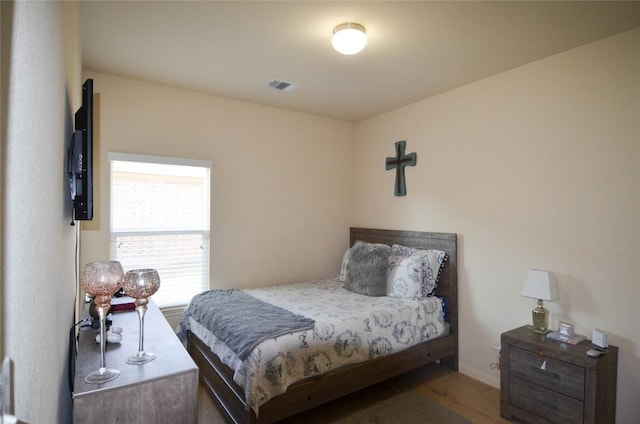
[349, 38]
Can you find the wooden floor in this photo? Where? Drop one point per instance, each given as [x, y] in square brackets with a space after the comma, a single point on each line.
[469, 398]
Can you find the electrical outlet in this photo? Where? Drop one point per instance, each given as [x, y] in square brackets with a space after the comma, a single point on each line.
[5, 383]
[5, 393]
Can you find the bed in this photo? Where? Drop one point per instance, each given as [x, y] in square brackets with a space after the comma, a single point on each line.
[218, 378]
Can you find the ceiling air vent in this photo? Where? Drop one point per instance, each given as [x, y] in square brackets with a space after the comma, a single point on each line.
[282, 85]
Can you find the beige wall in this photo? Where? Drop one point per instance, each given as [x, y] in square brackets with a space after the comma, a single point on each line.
[537, 167]
[280, 181]
[40, 87]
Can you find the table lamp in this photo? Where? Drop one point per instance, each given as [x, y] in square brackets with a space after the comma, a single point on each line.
[539, 285]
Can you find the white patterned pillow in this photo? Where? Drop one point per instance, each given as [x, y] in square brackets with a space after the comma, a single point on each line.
[432, 265]
[342, 276]
[405, 275]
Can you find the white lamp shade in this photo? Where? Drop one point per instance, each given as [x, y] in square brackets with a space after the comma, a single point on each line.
[349, 38]
[540, 285]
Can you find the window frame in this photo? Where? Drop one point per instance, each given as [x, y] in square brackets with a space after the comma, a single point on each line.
[206, 234]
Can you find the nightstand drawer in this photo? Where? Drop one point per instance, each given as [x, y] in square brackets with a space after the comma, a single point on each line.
[553, 374]
[544, 403]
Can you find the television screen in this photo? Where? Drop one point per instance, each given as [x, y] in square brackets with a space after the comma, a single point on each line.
[80, 160]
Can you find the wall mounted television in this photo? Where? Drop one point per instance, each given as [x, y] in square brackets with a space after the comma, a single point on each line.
[80, 157]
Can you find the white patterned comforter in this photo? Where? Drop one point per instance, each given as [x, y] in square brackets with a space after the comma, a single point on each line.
[349, 328]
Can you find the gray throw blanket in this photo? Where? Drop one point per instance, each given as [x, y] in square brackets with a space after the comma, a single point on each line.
[240, 320]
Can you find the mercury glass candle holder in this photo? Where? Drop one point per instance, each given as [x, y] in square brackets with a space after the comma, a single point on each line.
[141, 284]
[101, 279]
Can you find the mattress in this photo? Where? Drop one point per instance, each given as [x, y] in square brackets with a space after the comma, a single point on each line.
[349, 328]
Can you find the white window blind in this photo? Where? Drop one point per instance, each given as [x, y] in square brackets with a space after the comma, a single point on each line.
[160, 220]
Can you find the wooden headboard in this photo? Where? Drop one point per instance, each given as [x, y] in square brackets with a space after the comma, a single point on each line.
[448, 282]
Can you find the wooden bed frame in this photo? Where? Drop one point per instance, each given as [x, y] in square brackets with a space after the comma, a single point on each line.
[217, 378]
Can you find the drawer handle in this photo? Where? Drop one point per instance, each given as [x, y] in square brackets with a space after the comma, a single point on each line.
[544, 371]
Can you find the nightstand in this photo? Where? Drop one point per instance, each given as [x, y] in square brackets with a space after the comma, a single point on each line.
[546, 381]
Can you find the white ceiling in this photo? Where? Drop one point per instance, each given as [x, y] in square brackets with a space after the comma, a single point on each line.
[415, 49]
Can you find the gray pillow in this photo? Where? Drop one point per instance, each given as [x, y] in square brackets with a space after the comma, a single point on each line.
[367, 269]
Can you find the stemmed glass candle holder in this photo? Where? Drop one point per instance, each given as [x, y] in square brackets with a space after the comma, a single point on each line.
[102, 279]
[141, 284]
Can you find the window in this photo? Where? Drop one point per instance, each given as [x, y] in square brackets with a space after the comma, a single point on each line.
[160, 220]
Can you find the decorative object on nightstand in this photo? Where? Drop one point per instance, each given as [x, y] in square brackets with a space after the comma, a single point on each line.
[599, 338]
[546, 381]
[101, 280]
[141, 284]
[566, 334]
[540, 285]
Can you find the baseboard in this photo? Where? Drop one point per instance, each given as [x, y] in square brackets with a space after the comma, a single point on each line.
[491, 380]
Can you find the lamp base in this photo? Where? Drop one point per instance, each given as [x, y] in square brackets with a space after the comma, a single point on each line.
[539, 331]
[540, 317]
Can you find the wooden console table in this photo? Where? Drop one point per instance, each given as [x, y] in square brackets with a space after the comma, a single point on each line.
[164, 390]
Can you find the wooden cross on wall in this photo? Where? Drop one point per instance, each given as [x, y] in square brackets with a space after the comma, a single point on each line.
[399, 162]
